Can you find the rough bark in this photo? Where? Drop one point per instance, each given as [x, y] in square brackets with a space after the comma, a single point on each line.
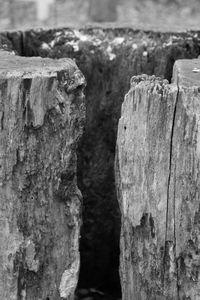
[41, 118]
[157, 177]
[108, 57]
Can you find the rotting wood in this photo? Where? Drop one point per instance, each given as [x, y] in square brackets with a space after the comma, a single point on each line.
[41, 118]
[157, 176]
[108, 57]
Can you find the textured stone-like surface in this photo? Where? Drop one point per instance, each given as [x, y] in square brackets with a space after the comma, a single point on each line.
[41, 118]
[157, 175]
[108, 57]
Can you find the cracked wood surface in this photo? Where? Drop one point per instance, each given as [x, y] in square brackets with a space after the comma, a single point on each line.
[157, 176]
[41, 118]
[108, 56]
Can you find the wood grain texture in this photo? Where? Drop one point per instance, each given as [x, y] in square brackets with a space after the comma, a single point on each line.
[41, 118]
[157, 176]
[108, 56]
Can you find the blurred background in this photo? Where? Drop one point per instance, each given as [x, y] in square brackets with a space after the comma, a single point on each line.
[52, 13]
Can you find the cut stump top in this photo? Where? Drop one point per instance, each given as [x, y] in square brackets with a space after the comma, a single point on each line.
[187, 72]
[29, 67]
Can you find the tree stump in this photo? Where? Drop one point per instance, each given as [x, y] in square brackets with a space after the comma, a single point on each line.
[158, 184]
[41, 119]
[108, 57]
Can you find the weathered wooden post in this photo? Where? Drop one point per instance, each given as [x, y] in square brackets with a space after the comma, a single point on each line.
[158, 182]
[41, 118]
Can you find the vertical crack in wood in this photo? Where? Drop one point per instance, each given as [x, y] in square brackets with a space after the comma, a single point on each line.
[174, 200]
[174, 211]
[168, 196]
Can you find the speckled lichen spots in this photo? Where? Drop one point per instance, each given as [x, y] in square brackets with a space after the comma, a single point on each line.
[71, 82]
